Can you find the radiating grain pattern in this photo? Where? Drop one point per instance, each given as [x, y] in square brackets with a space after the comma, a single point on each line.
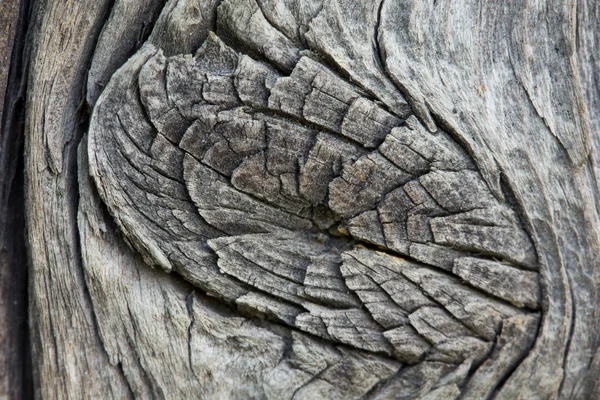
[254, 199]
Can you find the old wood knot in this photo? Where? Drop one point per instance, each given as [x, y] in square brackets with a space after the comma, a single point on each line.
[300, 198]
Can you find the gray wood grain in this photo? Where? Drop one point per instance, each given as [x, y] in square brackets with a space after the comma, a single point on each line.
[500, 110]
[173, 341]
[69, 360]
[588, 28]
[234, 197]
[241, 180]
[302, 199]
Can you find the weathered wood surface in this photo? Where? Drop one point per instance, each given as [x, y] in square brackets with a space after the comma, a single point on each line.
[70, 360]
[316, 198]
[14, 378]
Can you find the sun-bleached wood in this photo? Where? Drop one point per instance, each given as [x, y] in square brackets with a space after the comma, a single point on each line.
[317, 198]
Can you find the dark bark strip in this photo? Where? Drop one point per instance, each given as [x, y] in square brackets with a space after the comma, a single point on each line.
[15, 379]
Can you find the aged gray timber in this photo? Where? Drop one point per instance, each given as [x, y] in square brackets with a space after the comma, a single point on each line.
[69, 359]
[303, 199]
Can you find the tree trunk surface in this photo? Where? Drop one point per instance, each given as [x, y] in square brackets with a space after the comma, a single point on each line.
[299, 199]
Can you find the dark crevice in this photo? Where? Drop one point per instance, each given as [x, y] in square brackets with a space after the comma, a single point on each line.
[270, 21]
[512, 201]
[380, 61]
[232, 41]
[570, 330]
[513, 368]
[147, 28]
[144, 109]
[380, 56]
[189, 303]
[312, 380]
[131, 392]
[13, 252]
[16, 205]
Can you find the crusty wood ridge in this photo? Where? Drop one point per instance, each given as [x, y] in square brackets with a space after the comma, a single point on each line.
[328, 198]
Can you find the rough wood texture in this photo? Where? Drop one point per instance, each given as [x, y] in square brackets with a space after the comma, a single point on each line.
[70, 361]
[8, 28]
[314, 199]
[588, 38]
[14, 378]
